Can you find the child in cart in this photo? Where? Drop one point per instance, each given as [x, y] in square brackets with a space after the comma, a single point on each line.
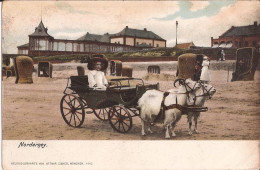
[96, 75]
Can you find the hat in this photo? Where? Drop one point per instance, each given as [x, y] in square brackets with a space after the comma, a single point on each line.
[93, 60]
[205, 58]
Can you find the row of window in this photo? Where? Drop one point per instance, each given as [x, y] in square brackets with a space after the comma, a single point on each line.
[137, 43]
[237, 44]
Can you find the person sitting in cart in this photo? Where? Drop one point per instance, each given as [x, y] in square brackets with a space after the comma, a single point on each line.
[96, 75]
[197, 71]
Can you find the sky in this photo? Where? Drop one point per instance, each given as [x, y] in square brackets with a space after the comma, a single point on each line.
[198, 21]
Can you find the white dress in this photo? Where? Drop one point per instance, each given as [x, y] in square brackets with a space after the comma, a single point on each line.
[205, 74]
[97, 79]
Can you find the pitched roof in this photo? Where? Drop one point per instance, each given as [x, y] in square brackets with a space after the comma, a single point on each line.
[185, 45]
[24, 46]
[242, 30]
[95, 37]
[40, 31]
[137, 33]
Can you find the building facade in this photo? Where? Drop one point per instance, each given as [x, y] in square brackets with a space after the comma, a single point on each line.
[43, 44]
[138, 38]
[238, 37]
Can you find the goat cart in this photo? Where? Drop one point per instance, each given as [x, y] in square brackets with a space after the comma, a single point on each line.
[118, 103]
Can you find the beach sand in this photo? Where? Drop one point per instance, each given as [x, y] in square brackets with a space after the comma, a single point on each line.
[32, 111]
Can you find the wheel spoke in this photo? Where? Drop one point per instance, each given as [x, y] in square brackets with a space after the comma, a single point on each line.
[78, 107]
[126, 124]
[78, 112]
[119, 126]
[103, 113]
[68, 113]
[123, 127]
[69, 99]
[118, 114]
[99, 112]
[74, 119]
[78, 117]
[67, 102]
[115, 123]
[114, 118]
[66, 108]
[70, 117]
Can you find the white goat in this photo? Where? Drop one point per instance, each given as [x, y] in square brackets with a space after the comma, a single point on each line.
[151, 101]
[198, 98]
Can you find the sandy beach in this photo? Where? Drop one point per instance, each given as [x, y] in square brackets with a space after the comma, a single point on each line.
[32, 111]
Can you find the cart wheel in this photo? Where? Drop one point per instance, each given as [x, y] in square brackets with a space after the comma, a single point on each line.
[72, 110]
[102, 114]
[120, 119]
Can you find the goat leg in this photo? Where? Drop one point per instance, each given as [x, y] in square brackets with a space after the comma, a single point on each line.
[190, 131]
[167, 133]
[149, 127]
[143, 127]
[196, 123]
[190, 122]
[172, 129]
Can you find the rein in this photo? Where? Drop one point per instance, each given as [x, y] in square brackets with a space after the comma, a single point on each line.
[204, 94]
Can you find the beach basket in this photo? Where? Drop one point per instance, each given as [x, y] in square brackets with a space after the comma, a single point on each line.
[81, 71]
[187, 63]
[23, 69]
[45, 69]
[115, 67]
[127, 71]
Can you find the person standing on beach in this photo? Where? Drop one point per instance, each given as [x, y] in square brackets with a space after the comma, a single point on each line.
[205, 74]
[222, 55]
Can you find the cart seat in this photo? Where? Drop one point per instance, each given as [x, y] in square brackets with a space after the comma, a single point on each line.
[79, 83]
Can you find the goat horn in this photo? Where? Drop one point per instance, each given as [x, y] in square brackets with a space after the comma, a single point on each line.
[179, 79]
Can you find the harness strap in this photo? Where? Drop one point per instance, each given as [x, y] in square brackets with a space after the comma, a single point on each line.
[162, 110]
[173, 106]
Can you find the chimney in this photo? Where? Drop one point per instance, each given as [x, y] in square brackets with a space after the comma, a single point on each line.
[255, 23]
[126, 27]
[145, 29]
[87, 33]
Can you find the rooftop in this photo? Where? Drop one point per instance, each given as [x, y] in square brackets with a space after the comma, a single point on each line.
[138, 33]
[40, 31]
[242, 30]
[95, 37]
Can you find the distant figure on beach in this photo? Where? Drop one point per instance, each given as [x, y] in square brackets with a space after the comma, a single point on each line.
[222, 55]
[219, 54]
[205, 74]
[96, 77]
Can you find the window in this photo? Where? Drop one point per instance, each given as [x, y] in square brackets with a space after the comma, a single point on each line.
[137, 43]
[157, 45]
[254, 43]
[240, 44]
[246, 44]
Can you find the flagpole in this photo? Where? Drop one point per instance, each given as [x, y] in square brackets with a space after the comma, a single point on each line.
[176, 32]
